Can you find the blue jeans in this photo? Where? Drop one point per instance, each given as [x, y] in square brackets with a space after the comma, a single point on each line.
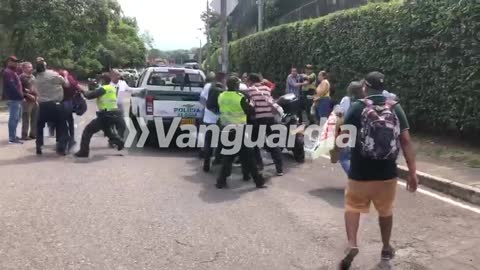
[324, 108]
[15, 112]
[344, 160]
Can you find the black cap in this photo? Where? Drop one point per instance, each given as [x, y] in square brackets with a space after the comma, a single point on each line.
[375, 80]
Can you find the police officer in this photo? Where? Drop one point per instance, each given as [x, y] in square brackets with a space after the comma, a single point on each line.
[234, 108]
[108, 116]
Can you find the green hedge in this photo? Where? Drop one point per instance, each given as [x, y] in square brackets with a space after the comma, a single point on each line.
[429, 51]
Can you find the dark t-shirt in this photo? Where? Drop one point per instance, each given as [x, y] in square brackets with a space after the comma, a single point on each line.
[365, 169]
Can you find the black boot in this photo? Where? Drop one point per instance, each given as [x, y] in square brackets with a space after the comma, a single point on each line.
[81, 154]
[206, 165]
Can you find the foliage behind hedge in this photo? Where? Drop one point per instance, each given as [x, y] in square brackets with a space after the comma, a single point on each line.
[429, 51]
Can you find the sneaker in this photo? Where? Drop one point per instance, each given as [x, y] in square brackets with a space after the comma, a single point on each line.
[279, 173]
[350, 254]
[81, 154]
[120, 146]
[16, 141]
[221, 185]
[261, 183]
[206, 165]
[388, 254]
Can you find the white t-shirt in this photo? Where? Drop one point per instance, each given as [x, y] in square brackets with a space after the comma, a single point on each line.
[122, 89]
[345, 104]
[209, 117]
[389, 95]
[243, 87]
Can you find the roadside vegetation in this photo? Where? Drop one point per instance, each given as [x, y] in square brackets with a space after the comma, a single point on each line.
[428, 50]
[85, 37]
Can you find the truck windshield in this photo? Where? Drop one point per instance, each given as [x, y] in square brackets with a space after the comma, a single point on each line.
[175, 80]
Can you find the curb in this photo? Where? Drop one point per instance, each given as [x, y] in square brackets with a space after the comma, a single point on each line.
[467, 193]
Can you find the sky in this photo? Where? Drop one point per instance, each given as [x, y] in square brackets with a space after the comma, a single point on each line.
[173, 24]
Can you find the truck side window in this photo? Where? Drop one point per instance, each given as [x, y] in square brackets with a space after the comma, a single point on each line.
[140, 80]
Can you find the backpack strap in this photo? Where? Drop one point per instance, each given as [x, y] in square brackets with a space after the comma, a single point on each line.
[368, 103]
[390, 103]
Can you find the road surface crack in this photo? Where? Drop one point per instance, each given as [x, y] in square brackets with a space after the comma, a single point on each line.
[183, 244]
[215, 258]
[296, 266]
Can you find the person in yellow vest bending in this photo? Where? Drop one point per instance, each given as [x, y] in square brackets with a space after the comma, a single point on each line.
[108, 116]
[234, 108]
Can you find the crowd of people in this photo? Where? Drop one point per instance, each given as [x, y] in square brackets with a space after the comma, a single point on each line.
[370, 163]
[40, 96]
[230, 100]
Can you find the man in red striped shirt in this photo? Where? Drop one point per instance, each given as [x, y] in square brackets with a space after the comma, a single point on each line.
[265, 110]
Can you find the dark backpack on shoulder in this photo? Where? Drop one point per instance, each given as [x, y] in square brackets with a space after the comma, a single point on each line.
[79, 104]
[380, 131]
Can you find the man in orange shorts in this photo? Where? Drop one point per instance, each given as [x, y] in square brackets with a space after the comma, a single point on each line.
[382, 130]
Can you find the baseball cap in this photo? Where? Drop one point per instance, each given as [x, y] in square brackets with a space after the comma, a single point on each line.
[13, 58]
[309, 66]
[375, 80]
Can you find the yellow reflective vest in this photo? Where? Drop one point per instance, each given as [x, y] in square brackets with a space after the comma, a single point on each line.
[231, 111]
[108, 101]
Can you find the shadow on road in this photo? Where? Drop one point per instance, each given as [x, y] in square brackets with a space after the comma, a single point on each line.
[333, 196]
[209, 193]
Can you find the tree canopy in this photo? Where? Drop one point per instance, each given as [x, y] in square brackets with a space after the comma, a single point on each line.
[86, 36]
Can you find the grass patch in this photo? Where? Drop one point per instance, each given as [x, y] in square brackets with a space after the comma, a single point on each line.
[447, 151]
[474, 163]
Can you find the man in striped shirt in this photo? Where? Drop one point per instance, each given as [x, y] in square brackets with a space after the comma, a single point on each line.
[265, 110]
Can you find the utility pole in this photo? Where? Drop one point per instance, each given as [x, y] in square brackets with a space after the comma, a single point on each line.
[207, 29]
[200, 52]
[224, 36]
[261, 6]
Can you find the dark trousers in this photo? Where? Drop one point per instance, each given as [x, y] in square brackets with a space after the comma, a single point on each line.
[55, 113]
[105, 121]
[275, 152]
[248, 165]
[71, 126]
[307, 103]
[208, 149]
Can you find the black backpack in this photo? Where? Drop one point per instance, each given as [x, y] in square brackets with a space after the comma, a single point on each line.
[79, 104]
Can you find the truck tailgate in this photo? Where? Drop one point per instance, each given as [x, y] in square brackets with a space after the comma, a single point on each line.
[177, 104]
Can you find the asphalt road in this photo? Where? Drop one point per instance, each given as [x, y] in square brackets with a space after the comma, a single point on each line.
[156, 209]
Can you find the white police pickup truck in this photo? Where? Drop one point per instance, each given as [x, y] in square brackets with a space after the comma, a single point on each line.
[168, 93]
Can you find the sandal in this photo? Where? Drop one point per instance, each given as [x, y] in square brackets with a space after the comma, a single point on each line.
[388, 254]
[351, 253]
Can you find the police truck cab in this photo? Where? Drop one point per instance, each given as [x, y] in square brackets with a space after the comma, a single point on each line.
[168, 93]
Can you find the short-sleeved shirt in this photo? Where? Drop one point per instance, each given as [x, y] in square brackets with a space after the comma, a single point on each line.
[365, 169]
[291, 88]
[312, 79]
[49, 85]
[209, 117]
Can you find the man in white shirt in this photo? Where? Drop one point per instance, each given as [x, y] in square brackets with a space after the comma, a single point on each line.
[209, 118]
[123, 90]
[123, 97]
